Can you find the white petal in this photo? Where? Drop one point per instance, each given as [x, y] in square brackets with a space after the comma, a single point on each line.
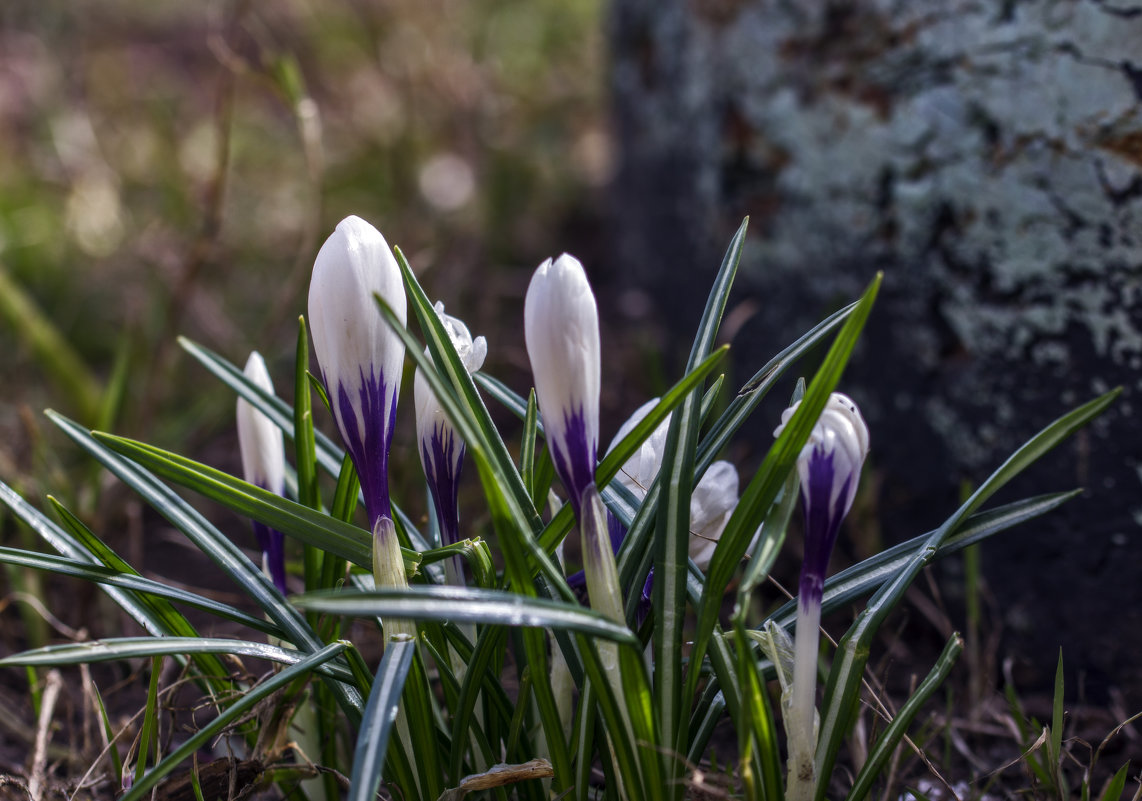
[561, 329]
[640, 469]
[711, 505]
[842, 431]
[260, 441]
[349, 335]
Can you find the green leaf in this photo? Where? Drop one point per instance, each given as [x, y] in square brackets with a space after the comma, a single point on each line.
[308, 525]
[862, 578]
[466, 605]
[217, 547]
[135, 583]
[1116, 785]
[328, 454]
[66, 544]
[148, 736]
[377, 722]
[119, 648]
[672, 534]
[1056, 743]
[233, 713]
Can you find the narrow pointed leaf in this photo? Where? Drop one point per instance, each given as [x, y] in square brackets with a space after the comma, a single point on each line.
[308, 525]
[117, 648]
[377, 722]
[130, 581]
[466, 605]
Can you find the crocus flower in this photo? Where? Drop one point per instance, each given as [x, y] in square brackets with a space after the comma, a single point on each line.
[829, 468]
[714, 498]
[561, 329]
[359, 356]
[263, 464]
[441, 449]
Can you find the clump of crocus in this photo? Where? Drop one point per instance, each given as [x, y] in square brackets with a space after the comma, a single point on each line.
[829, 468]
[361, 360]
[441, 449]
[561, 329]
[263, 464]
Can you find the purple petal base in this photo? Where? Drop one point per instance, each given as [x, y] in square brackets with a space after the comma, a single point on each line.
[822, 521]
[442, 458]
[617, 532]
[574, 456]
[370, 449]
[272, 544]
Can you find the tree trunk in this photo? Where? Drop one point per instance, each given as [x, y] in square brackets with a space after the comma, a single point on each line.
[987, 157]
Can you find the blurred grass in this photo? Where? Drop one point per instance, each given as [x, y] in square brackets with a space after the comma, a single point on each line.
[172, 168]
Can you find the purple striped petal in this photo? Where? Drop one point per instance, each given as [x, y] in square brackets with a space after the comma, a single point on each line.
[574, 452]
[443, 458]
[369, 449]
[825, 508]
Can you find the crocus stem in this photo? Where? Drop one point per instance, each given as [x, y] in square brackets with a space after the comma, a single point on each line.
[802, 782]
[388, 572]
[603, 591]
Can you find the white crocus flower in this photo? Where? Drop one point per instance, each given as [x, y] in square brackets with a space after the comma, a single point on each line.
[263, 464]
[359, 355]
[713, 500]
[441, 449]
[561, 329]
[829, 468]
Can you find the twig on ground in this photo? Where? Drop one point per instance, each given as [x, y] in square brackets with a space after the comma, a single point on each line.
[53, 683]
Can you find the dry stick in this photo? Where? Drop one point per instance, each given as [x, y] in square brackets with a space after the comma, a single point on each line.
[52, 685]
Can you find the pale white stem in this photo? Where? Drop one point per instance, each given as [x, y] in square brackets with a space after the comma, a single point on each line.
[802, 780]
[603, 590]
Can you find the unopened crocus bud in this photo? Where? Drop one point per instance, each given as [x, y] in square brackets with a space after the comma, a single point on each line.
[829, 468]
[561, 329]
[360, 357]
[441, 449]
[263, 464]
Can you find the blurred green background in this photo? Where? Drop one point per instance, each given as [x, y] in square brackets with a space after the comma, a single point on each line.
[171, 168]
